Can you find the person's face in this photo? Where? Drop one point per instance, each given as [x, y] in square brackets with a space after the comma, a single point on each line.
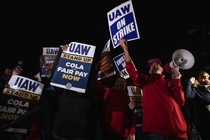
[120, 84]
[204, 79]
[156, 68]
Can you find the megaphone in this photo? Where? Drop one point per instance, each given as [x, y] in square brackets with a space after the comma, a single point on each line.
[183, 59]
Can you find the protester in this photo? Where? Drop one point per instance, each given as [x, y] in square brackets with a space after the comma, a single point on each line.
[162, 99]
[198, 94]
[39, 118]
[73, 112]
[117, 120]
[23, 120]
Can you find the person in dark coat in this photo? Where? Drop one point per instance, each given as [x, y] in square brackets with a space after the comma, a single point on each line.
[198, 94]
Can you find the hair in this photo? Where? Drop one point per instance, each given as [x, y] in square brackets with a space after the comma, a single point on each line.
[201, 73]
[119, 77]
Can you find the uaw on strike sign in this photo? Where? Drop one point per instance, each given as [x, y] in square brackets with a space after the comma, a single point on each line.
[122, 23]
[73, 69]
[22, 95]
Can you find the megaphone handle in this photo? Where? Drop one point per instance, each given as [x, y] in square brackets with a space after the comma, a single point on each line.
[173, 65]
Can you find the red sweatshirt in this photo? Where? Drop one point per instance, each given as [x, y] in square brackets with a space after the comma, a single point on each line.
[116, 113]
[161, 106]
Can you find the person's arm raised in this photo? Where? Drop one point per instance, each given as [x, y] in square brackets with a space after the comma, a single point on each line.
[124, 45]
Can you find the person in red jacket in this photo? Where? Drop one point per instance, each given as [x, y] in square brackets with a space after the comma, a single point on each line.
[162, 100]
[116, 117]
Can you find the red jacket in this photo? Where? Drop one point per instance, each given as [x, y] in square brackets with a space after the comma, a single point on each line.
[116, 114]
[161, 106]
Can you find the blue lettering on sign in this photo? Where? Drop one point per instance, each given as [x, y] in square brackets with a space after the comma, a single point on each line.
[119, 12]
[51, 51]
[124, 72]
[79, 48]
[133, 90]
[26, 84]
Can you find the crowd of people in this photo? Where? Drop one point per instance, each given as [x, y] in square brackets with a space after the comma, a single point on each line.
[107, 113]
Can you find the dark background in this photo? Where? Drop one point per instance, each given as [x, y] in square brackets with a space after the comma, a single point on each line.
[27, 26]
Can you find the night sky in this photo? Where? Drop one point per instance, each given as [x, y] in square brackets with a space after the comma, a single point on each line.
[28, 26]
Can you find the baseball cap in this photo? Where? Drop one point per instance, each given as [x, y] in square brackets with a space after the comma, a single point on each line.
[153, 60]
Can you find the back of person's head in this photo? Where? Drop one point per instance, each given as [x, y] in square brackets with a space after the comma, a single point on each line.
[120, 84]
